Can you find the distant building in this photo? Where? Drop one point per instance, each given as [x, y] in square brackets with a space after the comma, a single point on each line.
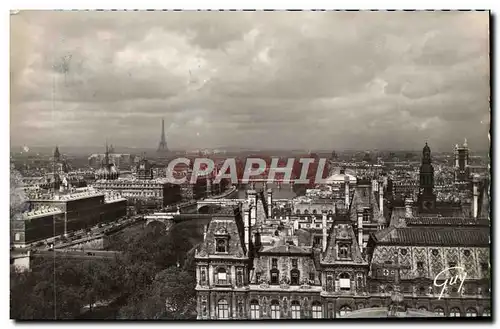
[462, 170]
[364, 259]
[56, 213]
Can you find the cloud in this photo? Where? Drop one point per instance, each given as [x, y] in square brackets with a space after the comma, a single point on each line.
[327, 80]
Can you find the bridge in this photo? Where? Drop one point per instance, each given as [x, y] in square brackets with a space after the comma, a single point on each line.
[169, 219]
[194, 203]
[218, 202]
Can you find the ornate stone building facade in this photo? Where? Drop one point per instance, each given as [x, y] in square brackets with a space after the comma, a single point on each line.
[254, 266]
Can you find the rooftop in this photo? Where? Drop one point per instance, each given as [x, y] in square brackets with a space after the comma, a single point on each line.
[41, 212]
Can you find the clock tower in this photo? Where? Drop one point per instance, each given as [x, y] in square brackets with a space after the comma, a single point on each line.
[427, 198]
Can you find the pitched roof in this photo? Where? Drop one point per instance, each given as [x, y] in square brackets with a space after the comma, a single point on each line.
[444, 221]
[285, 249]
[365, 197]
[432, 236]
[223, 225]
[342, 231]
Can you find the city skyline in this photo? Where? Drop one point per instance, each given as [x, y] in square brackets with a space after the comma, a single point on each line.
[302, 80]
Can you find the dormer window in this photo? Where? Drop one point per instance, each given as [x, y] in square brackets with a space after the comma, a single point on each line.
[366, 215]
[221, 245]
[344, 251]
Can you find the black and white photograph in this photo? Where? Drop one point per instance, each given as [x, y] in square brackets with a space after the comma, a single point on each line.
[250, 165]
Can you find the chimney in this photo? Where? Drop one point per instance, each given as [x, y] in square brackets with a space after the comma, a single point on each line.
[381, 199]
[247, 230]
[375, 185]
[475, 195]
[252, 198]
[360, 231]
[325, 232]
[409, 208]
[205, 232]
[257, 241]
[270, 203]
[346, 181]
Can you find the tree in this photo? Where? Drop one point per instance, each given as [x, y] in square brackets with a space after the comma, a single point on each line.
[17, 195]
[170, 296]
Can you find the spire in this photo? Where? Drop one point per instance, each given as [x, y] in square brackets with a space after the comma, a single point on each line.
[57, 155]
[465, 143]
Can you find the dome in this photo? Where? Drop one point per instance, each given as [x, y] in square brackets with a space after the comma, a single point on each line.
[340, 179]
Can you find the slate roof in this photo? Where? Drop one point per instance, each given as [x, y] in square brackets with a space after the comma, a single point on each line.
[361, 200]
[285, 249]
[434, 236]
[342, 231]
[223, 224]
[444, 221]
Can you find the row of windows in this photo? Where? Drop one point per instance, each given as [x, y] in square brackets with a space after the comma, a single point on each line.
[314, 212]
[455, 312]
[317, 310]
[295, 310]
[451, 265]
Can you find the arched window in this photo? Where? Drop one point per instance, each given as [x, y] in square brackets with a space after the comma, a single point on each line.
[344, 281]
[295, 277]
[454, 312]
[360, 281]
[439, 311]
[306, 212]
[329, 283]
[344, 310]
[254, 309]
[487, 312]
[314, 211]
[204, 309]
[422, 308]
[471, 312]
[221, 276]
[275, 274]
[317, 310]
[17, 237]
[241, 313]
[275, 309]
[295, 309]
[223, 309]
[297, 211]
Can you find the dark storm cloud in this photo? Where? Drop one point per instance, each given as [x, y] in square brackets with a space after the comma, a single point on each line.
[327, 80]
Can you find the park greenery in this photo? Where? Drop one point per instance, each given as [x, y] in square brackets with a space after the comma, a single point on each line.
[153, 278]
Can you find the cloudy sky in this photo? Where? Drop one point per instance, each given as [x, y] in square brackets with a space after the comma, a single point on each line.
[301, 80]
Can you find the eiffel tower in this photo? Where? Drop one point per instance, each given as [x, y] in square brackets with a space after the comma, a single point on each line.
[163, 142]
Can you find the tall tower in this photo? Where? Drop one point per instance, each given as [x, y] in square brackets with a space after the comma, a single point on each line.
[427, 198]
[462, 162]
[163, 141]
[57, 154]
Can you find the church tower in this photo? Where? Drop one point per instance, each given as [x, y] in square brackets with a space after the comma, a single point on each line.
[427, 198]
